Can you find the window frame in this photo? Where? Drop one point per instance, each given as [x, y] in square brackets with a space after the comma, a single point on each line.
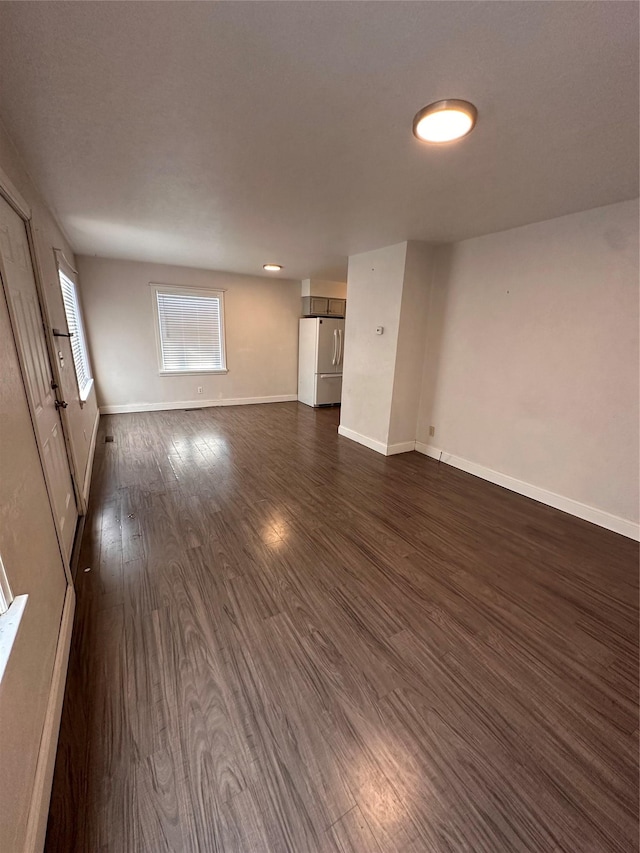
[11, 611]
[6, 595]
[69, 274]
[183, 290]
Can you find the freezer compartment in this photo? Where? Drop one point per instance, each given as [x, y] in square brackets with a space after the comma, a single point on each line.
[328, 389]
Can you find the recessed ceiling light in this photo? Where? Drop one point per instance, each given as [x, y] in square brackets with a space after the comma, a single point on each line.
[272, 267]
[444, 121]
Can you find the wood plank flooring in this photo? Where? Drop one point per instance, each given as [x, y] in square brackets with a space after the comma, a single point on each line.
[288, 643]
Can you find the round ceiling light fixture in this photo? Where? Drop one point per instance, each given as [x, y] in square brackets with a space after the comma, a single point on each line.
[272, 267]
[444, 121]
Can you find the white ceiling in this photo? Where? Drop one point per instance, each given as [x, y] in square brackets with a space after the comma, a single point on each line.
[224, 135]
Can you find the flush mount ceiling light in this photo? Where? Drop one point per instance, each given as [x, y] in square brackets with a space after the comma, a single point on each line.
[272, 267]
[444, 121]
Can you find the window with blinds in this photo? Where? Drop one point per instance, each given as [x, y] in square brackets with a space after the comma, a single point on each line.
[77, 340]
[190, 330]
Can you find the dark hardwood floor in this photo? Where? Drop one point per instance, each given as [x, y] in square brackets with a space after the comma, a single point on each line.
[287, 642]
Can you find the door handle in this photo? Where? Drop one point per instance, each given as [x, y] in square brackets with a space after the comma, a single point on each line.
[335, 346]
[340, 350]
[58, 334]
[60, 404]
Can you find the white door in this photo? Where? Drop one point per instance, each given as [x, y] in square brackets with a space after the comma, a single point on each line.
[26, 317]
[330, 342]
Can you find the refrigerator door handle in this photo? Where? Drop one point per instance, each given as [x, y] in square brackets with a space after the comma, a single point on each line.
[335, 347]
[340, 350]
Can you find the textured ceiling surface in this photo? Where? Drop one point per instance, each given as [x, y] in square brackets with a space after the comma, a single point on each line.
[224, 135]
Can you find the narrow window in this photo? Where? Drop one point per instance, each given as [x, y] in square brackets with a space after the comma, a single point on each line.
[76, 330]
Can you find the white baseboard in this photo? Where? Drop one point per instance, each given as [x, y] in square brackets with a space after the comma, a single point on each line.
[193, 404]
[92, 452]
[584, 511]
[41, 795]
[374, 444]
[430, 450]
[371, 443]
[400, 447]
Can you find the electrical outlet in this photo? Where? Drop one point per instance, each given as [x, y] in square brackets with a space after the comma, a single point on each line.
[199, 389]
[432, 430]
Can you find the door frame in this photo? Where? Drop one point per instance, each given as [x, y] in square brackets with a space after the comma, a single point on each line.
[15, 200]
[55, 366]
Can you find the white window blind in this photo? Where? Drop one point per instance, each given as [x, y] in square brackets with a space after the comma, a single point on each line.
[191, 331]
[76, 330]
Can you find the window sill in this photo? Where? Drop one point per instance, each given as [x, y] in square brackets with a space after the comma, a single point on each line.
[190, 372]
[9, 624]
[84, 395]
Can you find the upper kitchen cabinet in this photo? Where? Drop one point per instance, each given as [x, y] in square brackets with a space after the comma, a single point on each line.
[323, 306]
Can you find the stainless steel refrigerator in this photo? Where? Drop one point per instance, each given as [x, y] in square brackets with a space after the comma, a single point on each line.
[320, 361]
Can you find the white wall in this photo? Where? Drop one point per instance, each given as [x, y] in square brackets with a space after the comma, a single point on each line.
[261, 317]
[374, 283]
[407, 380]
[382, 373]
[318, 287]
[531, 367]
